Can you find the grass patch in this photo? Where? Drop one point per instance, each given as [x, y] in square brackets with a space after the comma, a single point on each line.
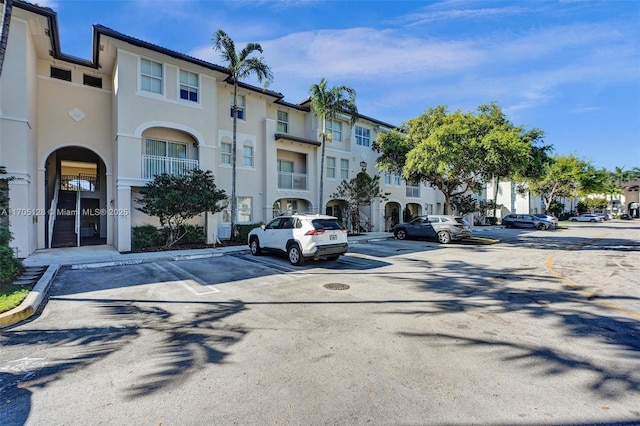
[479, 241]
[12, 295]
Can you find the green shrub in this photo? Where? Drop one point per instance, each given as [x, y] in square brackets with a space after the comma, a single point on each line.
[243, 233]
[194, 234]
[5, 234]
[492, 220]
[9, 265]
[145, 237]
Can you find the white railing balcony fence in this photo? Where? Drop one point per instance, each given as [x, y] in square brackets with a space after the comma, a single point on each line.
[153, 165]
[288, 180]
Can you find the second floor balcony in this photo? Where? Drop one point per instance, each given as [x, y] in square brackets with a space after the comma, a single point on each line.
[295, 181]
[153, 165]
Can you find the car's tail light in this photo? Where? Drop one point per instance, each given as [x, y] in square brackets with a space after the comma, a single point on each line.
[315, 232]
[345, 230]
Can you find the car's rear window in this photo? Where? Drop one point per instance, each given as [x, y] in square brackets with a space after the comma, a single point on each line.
[326, 224]
[461, 220]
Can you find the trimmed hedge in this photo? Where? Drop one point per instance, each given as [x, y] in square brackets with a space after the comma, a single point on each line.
[148, 237]
[243, 233]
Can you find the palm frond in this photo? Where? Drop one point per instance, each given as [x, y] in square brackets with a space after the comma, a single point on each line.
[222, 43]
[248, 50]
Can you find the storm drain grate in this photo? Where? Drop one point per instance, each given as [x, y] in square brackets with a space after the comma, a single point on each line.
[336, 286]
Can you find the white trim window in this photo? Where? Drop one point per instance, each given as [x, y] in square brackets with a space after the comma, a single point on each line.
[335, 129]
[189, 86]
[331, 167]
[363, 136]
[387, 178]
[245, 209]
[396, 180]
[283, 122]
[412, 189]
[344, 169]
[247, 156]
[225, 153]
[151, 76]
[241, 105]
[163, 148]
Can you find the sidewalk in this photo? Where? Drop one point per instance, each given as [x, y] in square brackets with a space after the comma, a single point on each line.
[102, 256]
[97, 256]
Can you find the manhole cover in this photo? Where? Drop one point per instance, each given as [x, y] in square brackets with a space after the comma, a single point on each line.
[336, 286]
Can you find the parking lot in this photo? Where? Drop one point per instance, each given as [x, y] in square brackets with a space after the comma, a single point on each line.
[543, 327]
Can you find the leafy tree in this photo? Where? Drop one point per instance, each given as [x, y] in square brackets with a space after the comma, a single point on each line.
[9, 265]
[465, 204]
[590, 204]
[327, 103]
[240, 65]
[456, 152]
[483, 207]
[562, 177]
[556, 208]
[507, 150]
[175, 199]
[359, 191]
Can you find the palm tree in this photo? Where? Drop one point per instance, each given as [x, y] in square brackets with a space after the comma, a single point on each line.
[4, 35]
[240, 65]
[328, 103]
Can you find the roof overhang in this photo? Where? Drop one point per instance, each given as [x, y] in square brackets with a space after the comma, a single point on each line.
[288, 138]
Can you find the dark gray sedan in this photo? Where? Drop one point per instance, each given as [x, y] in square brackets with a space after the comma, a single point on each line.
[525, 221]
[441, 227]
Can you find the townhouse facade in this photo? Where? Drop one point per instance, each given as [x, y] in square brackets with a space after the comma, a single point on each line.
[81, 137]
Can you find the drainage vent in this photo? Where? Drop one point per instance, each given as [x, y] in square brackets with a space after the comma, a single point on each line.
[336, 286]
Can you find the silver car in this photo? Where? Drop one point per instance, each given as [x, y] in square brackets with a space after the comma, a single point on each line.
[441, 227]
[586, 217]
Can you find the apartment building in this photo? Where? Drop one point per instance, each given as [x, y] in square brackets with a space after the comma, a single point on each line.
[83, 136]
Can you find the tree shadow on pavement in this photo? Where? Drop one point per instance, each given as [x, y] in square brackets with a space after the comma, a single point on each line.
[525, 293]
[185, 344]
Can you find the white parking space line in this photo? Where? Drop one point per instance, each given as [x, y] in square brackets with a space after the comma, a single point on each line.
[193, 284]
[269, 263]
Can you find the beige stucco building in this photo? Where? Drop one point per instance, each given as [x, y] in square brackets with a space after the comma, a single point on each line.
[84, 135]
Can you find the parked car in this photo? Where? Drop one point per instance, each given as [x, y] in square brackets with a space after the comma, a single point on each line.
[526, 221]
[441, 227]
[625, 216]
[586, 217]
[549, 217]
[301, 237]
[605, 216]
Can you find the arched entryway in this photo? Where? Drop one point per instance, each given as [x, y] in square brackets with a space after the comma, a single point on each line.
[411, 211]
[290, 206]
[391, 215]
[75, 197]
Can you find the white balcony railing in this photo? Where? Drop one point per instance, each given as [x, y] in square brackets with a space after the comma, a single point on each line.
[288, 180]
[155, 165]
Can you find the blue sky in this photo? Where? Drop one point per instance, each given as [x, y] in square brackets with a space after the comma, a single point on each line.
[571, 68]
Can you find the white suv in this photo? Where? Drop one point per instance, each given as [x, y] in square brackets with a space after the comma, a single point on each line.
[301, 236]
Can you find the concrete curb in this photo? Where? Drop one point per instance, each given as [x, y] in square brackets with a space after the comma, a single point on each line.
[31, 303]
